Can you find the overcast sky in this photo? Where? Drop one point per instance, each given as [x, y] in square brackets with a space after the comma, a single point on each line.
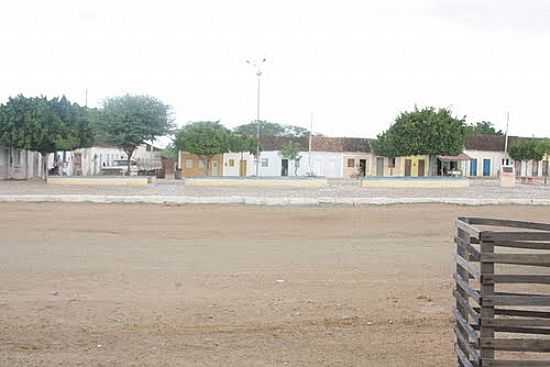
[354, 64]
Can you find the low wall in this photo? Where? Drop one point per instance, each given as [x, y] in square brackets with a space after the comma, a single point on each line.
[416, 182]
[295, 182]
[101, 181]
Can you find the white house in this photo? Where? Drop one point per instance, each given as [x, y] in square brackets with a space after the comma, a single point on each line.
[90, 161]
[487, 155]
[19, 164]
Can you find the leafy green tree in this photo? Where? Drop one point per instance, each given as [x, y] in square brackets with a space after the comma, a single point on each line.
[241, 144]
[426, 131]
[204, 139]
[291, 151]
[44, 125]
[526, 150]
[131, 120]
[271, 129]
[482, 127]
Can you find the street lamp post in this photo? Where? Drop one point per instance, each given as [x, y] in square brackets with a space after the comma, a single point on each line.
[257, 64]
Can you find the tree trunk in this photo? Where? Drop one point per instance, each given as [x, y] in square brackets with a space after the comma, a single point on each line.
[207, 166]
[45, 166]
[296, 167]
[129, 153]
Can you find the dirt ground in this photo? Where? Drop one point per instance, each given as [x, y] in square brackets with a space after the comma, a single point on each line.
[136, 285]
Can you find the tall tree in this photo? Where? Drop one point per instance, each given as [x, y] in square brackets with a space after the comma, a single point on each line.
[271, 129]
[44, 125]
[526, 150]
[132, 120]
[204, 139]
[482, 127]
[291, 151]
[426, 131]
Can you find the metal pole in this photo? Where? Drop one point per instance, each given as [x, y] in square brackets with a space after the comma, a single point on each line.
[258, 74]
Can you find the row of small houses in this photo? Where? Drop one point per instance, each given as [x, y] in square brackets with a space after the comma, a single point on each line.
[483, 156]
[23, 164]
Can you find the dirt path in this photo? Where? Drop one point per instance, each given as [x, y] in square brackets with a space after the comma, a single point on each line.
[133, 285]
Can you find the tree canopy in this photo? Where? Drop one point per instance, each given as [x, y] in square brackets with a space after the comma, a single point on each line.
[529, 149]
[204, 139]
[44, 125]
[422, 131]
[482, 127]
[131, 120]
[271, 129]
[242, 143]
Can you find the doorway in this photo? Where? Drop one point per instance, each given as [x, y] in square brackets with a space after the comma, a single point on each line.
[408, 167]
[362, 167]
[284, 167]
[215, 168]
[421, 168]
[380, 166]
[486, 167]
[242, 168]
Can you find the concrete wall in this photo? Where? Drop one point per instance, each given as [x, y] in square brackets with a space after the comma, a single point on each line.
[323, 164]
[415, 182]
[494, 157]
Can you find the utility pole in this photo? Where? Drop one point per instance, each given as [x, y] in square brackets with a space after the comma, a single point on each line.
[86, 97]
[257, 64]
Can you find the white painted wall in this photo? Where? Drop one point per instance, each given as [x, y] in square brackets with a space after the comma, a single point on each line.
[23, 164]
[323, 164]
[235, 170]
[495, 158]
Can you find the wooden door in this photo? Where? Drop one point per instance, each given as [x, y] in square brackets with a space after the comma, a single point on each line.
[421, 168]
[408, 167]
[242, 168]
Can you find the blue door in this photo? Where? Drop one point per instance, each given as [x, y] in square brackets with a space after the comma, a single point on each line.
[486, 167]
[473, 167]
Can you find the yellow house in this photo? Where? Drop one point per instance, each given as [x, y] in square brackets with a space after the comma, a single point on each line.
[415, 166]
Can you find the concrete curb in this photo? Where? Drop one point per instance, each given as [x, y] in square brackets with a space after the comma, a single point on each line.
[265, 201]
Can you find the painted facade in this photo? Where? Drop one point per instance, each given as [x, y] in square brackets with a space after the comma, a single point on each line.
[484, 163]
[239, 164]
[195, 166]
[23, 164]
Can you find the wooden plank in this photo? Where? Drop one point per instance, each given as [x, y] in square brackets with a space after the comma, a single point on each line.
[466, 346]
[473, 272]
[514, 236]
[516, 300]
[523, 322]
[463, 358]
[472, 253]
[467, 307]
[516, 279]
[516, 345]
[462, 323]
[524, 245]
[469, 229]
[521, 313]
[518, 363]
[508, 223]
[487, 310]
[462, 285]
[517, 259]
[461, 273]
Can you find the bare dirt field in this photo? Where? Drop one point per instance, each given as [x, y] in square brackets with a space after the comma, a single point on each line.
[137, 285]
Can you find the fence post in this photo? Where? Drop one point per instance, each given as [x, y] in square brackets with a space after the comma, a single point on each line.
[487, 288]
[460, 251]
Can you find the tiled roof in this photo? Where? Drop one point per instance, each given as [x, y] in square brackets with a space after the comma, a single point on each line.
[318, 143]
[493, 143]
